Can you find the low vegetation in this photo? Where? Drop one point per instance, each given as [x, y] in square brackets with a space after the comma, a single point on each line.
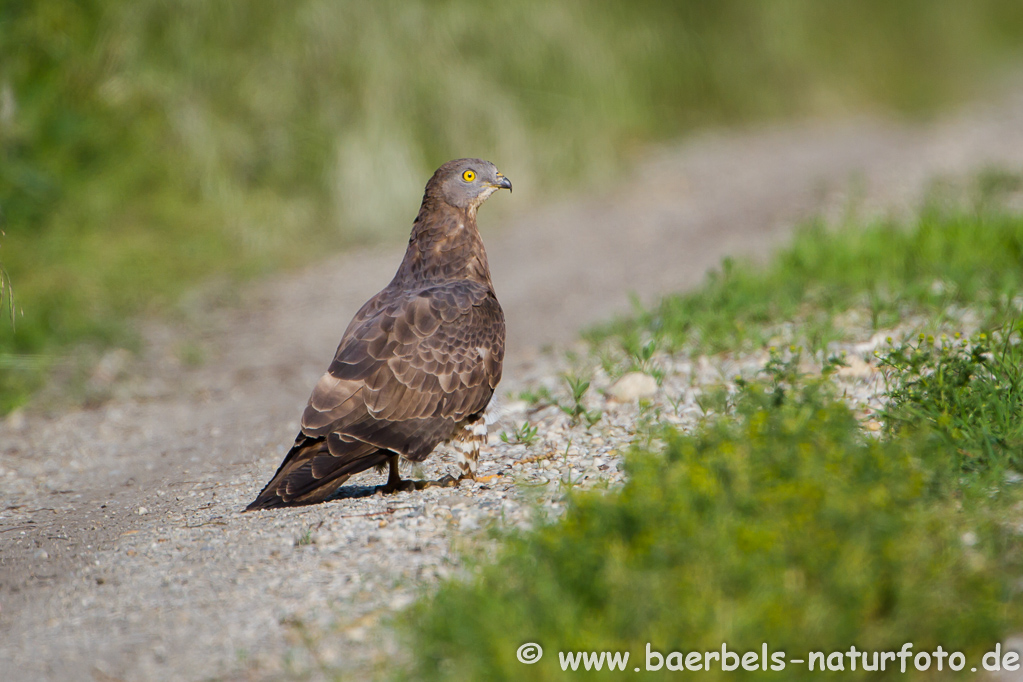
[968, 391]
[779, 518]
[778, 523]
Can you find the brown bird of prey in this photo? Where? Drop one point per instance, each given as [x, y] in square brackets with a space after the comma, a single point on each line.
[417, 365]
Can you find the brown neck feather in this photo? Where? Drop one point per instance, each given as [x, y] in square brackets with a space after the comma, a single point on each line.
[445, 245]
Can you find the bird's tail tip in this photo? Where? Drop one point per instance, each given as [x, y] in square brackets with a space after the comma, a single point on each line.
[264, 502]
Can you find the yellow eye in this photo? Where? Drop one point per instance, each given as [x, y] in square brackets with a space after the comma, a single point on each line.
[469, 176]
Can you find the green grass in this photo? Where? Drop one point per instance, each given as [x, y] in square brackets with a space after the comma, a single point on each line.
[945, 259]
[146, 146]
[970, 391]
[780, 523]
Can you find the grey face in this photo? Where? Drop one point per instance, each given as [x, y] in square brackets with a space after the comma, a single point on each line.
[468, 182]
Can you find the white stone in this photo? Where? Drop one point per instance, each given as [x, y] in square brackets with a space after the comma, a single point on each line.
[633, 386]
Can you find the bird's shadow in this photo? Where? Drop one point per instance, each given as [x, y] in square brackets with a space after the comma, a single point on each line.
[353, 492]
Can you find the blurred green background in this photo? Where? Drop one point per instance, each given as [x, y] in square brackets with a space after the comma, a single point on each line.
[149, 145]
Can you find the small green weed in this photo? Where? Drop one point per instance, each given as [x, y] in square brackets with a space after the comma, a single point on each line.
[641, 357]
[714, 399]
[521, 435]
[576, 410]
[537, 397]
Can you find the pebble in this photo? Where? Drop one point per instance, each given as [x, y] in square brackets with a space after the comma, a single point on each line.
[633, 386]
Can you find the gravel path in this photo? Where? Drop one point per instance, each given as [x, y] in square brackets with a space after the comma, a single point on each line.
[123, 552]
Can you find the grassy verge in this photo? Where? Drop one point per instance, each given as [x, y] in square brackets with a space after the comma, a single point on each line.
[781, 524]
[778, 518]
[147, 145]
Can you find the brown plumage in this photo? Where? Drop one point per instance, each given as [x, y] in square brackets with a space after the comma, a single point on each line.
[418, 363]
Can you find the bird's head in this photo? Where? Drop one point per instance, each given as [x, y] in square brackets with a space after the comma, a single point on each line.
[466, 183]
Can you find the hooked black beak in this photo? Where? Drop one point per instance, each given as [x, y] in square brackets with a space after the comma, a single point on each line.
[503, 182]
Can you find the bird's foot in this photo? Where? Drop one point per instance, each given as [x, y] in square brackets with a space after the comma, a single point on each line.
[445, 481]
[399, 486]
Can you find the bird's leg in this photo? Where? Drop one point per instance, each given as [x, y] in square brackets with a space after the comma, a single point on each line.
[393, 473]
[469, 449]
[394, 483]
